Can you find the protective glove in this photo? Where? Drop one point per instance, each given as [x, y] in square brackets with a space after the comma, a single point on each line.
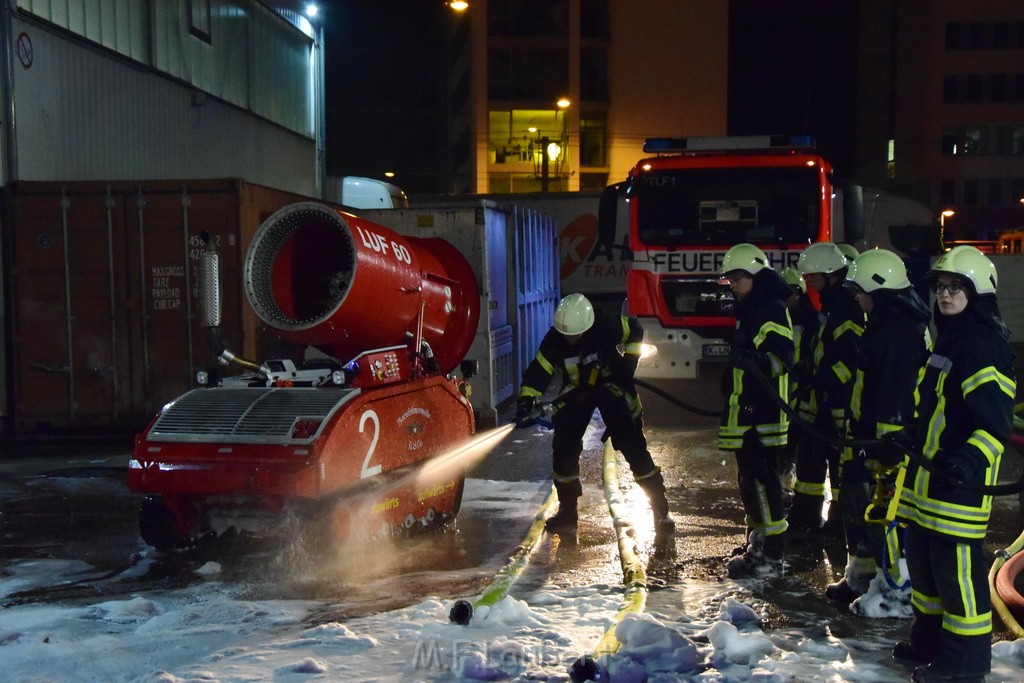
[954, 467]
[895, 444]
[524, 410]
[881, 458]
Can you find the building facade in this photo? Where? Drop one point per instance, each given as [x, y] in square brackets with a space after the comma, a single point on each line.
[941, 109]
[564, 92]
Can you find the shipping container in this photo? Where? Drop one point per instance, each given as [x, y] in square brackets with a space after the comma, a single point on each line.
[514, 254]
[103, 326]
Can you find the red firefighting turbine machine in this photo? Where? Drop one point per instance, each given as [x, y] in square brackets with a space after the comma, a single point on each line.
[392, 316]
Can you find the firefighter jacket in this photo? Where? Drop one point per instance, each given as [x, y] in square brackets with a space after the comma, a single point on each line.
[835, 353]
[965, 412]
[892, 351]
[593, 361]
[805, 328]
[764, 337]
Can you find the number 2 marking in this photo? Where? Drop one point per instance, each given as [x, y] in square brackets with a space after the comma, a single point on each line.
[370, 416]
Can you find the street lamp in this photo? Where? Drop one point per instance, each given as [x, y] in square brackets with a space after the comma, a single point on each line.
[946, 213]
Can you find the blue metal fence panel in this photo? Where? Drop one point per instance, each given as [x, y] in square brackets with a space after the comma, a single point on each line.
[535, 278]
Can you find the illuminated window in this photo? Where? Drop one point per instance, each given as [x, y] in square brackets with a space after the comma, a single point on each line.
[514, 136]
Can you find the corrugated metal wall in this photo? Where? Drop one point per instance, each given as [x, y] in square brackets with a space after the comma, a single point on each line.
[239, 51]
[82, 115]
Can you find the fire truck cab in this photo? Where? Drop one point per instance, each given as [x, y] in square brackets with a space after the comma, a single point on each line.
[693, 199]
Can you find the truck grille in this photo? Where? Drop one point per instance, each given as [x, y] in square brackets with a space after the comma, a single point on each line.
[697, 296]
[246, 415]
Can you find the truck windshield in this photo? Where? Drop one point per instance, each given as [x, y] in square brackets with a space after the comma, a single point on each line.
[725, 206]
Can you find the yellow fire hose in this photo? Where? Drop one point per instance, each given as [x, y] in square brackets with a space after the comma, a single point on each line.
[634, 575]
[462, 611]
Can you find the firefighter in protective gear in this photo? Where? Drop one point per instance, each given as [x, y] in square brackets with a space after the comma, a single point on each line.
[584, 344]
[752, 425]
[841, 324]
[804, 317]
[965, 413]
[892, 351]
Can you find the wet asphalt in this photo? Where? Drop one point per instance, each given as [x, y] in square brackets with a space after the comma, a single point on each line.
[69, 501]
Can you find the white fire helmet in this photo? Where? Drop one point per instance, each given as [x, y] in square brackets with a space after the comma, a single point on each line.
[968, 262]
[574, 315]
[821, 257]
[746, 257]
[878, 269]
[794, 279]
[849, 251]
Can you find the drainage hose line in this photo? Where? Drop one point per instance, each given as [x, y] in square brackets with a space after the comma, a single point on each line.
[705, 412]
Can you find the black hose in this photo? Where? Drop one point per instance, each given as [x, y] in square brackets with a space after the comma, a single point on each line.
[672, 399]
[915, 458]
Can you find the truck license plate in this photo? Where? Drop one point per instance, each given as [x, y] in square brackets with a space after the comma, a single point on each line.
[715, 350]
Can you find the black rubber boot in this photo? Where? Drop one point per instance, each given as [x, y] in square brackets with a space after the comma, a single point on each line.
[841, 592]
[929, 673]
[904, 650]
[774, 546]
[805, 514]
[565, 520]
[567, 517]
[833, 526]
[654, 487]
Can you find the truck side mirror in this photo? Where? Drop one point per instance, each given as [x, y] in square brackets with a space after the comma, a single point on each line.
[853, 213]
[607, 212]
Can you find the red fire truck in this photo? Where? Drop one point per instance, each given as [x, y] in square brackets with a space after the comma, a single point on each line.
[694, 198]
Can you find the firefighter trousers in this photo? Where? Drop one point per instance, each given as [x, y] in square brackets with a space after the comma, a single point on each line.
[760, 488]
[814, 459]
[626, 433]
[951, 601]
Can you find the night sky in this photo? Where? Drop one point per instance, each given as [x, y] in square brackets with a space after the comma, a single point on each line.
[792, 69]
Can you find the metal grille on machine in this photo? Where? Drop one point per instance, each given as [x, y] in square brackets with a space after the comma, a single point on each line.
[246, 415]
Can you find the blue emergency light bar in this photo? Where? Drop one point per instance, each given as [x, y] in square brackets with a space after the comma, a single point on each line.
[732, 143]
